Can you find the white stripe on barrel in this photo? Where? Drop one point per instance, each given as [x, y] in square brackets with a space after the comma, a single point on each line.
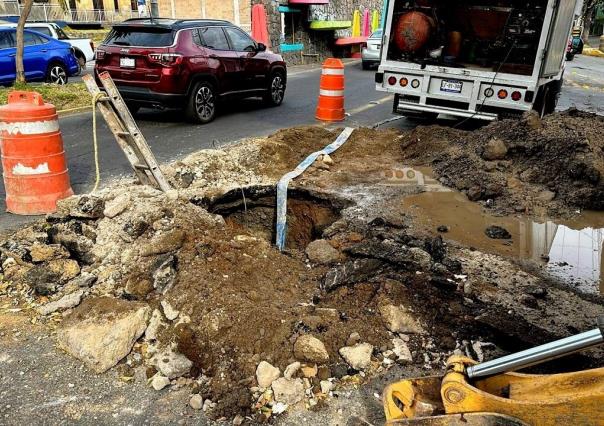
[30, 127]
[324, 92]
[333, 71]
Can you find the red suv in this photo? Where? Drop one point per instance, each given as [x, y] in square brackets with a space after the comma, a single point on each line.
[190, 64]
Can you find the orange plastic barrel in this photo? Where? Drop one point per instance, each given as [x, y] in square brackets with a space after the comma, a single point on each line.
[331, 91]
[33, 160]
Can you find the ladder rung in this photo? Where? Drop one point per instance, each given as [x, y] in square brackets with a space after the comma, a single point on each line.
[141, 166]
[123, 133]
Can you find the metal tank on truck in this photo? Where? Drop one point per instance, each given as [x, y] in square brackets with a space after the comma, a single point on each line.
[474, 59]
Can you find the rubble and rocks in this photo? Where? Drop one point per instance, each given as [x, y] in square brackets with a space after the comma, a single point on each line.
[291, 370]
[117, 206]
[288, 391]
[155, 323]
[401, 351]
[66, 302]
[399, 320]
[44, 252]
[101, 331]
[321, 252]
[497, 233]
[326, 386]
[158, 382]
[495, 149]
[170, 313]
[357, 356]
[310, 371]
[266, 374]
[196, 402]
[309, 348]
[171, 363]
[198, 264]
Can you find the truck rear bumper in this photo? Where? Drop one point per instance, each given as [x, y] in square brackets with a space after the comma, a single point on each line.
[429, 92]
[402, 107]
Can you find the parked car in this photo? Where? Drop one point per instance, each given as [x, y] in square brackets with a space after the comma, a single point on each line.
[370, 55]
[44, 58]
[570, 55]
[83, 47]
[189, 63]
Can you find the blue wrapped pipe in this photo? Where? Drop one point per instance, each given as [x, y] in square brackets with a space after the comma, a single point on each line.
[284, 182]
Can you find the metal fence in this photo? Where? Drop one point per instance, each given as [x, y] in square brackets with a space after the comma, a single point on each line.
[46, 12]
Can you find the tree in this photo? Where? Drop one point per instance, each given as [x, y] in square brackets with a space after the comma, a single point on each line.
[20, 26]
[589, 8]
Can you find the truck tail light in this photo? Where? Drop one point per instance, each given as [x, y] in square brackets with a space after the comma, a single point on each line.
[403, 82]
[489, 92]
[516, 96]
[392, 80]
[502, 94]
[100, 55]
[166, 59]
[415, 83]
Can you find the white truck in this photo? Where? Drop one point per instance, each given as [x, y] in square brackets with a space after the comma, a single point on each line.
[83, 47]
[482, 59]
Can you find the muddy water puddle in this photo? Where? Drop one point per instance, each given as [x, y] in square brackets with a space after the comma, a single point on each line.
[570, 250]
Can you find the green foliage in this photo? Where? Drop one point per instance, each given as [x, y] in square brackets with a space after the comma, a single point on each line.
[72, 95]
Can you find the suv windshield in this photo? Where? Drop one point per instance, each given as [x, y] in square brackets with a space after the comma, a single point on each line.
[144, 37]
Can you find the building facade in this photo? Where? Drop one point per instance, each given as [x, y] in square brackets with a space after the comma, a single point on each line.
[303, 31]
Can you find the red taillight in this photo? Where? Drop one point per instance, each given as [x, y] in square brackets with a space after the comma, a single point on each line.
[403, 82]
[392, 80]
[502, 94]
[167, 59]
[516, 96]
[100, 54]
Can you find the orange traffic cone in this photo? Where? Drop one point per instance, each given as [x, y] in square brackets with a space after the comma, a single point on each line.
[331, 91]
[35, 169]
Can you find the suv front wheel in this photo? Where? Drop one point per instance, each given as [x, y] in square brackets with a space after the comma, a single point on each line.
[201, 107]
[276, 90]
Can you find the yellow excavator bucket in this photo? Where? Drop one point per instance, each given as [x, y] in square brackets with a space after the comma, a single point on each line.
[505, 399]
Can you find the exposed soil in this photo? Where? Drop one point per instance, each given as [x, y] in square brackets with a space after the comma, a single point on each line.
[549, 167]
[207, 249]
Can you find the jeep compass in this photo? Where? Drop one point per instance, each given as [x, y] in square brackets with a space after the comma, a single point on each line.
[189, 64]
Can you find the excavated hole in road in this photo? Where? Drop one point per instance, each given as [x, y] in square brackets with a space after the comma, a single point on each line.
[309, 213]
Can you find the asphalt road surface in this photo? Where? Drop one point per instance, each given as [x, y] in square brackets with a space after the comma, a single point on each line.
[171, 138]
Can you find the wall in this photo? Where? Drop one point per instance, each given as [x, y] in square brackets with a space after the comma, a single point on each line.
[317, 44]
[210, 9]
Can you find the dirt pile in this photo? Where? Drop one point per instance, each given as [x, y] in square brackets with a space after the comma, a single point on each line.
[551, 166]
[356, 291]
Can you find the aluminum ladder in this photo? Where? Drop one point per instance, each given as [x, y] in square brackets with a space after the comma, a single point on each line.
[126, 131]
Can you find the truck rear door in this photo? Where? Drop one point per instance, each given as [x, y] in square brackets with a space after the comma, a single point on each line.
[558, 34]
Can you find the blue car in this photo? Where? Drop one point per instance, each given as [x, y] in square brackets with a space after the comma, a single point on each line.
[44, 58]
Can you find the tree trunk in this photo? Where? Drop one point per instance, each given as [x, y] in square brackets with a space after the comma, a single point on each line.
[587, 24]
[20, 26]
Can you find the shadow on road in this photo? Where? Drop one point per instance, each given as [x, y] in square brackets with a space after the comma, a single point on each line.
[225, 108]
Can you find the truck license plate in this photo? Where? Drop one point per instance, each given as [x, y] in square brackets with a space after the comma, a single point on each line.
[126, 62]
[451, 86]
